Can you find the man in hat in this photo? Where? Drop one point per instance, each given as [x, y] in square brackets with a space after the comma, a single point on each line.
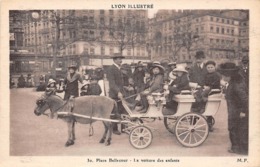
[244, 69]
[237, 105]
[198, 71]
[115, 80]
[71, 82]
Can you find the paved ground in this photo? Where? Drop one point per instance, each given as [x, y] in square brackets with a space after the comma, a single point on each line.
[38, 136]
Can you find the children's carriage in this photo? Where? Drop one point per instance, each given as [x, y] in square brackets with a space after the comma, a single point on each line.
[190, 128]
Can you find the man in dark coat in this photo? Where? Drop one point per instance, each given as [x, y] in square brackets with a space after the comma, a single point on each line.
[71, 82]
[198, 71]
[237, 105]
[115, 80]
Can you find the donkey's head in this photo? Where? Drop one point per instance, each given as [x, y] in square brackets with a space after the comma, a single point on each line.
[46, 102]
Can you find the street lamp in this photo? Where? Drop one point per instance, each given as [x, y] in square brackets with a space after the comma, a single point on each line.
[35, 17]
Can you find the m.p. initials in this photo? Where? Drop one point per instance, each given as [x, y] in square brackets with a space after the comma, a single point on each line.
[242, 160]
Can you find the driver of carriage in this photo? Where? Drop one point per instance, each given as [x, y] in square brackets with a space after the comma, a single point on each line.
[155, 85]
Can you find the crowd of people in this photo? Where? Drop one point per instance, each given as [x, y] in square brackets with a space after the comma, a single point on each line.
[125, 81]
[134, 82]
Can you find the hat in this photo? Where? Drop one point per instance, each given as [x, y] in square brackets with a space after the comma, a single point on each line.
[72, 65]
[51, 81]
[172, 63]
[199, 54]
[228, 69]
[157, 65]
[245, 59]
[85, 82]
[140, 65]
[117, 55]
[125, 67]
[210, 62]
[180, 68]
[156, 62]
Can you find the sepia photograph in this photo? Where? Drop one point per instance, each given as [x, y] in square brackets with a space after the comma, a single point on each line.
[129, 84]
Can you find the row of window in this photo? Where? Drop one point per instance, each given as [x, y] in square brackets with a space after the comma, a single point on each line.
[222, 30]
[222, 20]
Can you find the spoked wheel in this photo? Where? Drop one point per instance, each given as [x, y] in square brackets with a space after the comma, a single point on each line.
[191, 130]
[169, 123]
[140, 137]
[129, 126]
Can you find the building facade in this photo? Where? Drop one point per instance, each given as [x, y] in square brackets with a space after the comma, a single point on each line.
[177, 35]
[88, 37]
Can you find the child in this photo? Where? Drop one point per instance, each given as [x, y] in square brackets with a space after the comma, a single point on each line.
[180, 83]
[85, 88]
[51, 88]
[94, 88]
[212, 79]
[155, 85]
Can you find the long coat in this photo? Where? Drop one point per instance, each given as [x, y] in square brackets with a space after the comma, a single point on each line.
[138, 77]
[237, 102]
[71, 83]
[197, 74]
[115, 80]
[156, 84]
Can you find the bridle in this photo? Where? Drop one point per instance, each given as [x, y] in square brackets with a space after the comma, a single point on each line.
[41, 102]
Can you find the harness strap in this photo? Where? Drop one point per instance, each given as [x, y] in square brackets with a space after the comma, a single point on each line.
[91, 129]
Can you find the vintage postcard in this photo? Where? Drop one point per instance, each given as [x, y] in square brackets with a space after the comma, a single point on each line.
[130, 83]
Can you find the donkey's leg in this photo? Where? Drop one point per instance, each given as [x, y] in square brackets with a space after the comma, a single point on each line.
[105, 133]
[110, 129]
[73, 130]
[70, 131]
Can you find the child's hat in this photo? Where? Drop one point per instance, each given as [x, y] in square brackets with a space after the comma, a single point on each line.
[180, 68]
[51, 81]
[85, 82]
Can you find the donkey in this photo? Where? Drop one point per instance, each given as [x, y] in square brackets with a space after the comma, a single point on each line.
[93, 106]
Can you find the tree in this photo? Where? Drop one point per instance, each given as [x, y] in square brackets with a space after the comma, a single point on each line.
[184, 36]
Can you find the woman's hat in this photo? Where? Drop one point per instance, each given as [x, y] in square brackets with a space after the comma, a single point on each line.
[117, 55]
[72, 65]
[199, 54]
[180, 68]
[157, 65]
[85, 82]
[156, 62]
[228, 69]
[51, 81]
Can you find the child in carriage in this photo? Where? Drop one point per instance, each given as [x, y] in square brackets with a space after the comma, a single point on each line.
[180, 82]
[212, 79]
[155, 85]
[94, 88]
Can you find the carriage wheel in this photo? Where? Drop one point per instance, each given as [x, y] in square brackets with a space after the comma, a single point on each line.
[140, 137]
[169, 123]
[191, 129]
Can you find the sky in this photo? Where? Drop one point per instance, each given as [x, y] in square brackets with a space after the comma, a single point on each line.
[152, 12]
